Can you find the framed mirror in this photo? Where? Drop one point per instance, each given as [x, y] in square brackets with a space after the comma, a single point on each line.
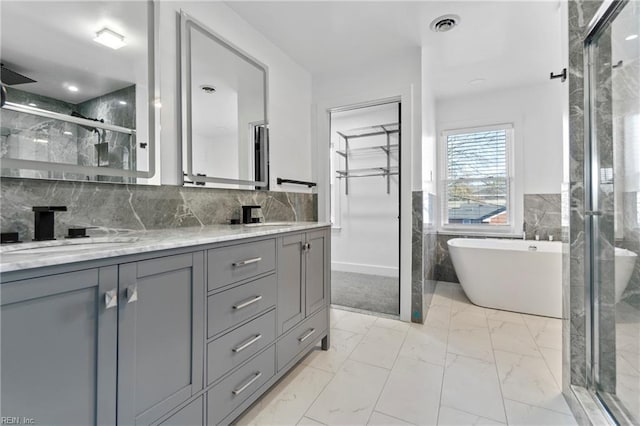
[224, 111]
[80, 90]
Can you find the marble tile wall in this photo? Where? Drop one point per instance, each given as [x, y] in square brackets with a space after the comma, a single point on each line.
[418, 307]
[117, 207]
[22, 134]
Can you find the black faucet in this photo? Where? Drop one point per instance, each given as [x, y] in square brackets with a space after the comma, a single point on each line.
[43, 222]
[247, 213]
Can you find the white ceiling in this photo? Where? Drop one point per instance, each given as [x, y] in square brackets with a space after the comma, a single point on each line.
[505, 43]
[52, 42]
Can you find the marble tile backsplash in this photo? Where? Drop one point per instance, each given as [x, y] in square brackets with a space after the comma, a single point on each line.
[118, 208]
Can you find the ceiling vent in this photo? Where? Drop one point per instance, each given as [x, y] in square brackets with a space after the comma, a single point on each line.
[444, 23]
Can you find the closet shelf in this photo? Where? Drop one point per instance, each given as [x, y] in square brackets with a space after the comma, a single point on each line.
[384, 149]
[362, 132]
[366, 172]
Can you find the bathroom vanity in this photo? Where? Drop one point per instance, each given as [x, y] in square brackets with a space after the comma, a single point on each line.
[173, 327]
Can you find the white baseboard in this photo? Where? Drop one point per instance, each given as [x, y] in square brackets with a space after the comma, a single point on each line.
[360, 268]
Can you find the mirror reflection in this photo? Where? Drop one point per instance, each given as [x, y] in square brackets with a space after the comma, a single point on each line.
[77, 101]
[225, 108]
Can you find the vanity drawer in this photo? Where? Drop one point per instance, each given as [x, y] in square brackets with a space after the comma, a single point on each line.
[232, 391]
[237, 346]
[231, 264]
[231, 307]
[301, 337]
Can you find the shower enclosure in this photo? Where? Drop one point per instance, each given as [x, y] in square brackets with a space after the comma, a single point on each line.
[612, 208]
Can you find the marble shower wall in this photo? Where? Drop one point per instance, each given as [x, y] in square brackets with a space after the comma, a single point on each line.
[118, 208]
[30, 137]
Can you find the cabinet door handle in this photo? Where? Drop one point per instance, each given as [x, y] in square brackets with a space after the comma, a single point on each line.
[246, 262]
[247, 302]
[306, 335]
[248, 343]
[110, 299]
[242, 388]
[132, 294]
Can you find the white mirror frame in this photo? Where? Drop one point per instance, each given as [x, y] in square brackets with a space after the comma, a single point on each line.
[186, 24]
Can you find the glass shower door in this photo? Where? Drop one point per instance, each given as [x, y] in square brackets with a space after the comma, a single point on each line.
[613, 208]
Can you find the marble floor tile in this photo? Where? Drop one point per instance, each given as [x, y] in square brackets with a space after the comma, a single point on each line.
[466, 320]
[506, 316]
[287, 402]
[553, 358]
[628, 391]
[350, 396]
[379, 347]
[547, 332]
[412, 392]
[473, 342]
[355, 322]
[525, 414]
[379, 419]
[529, 380]
[472, 385]
[438, 316]
[510, 337]
[335, 315]
[452, 417]
[342, 345]
[306, 421]
[391, 324]
[427, 344]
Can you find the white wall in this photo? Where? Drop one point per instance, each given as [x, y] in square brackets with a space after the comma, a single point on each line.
[536, 112]
[367, 241]
[289, 91]
[392, 76]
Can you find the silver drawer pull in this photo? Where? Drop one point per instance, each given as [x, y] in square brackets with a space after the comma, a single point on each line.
[111, 299]
[132, 294]
[246, 262]
[307, 335]
[246, 385]
[248, 343]
[247, 302]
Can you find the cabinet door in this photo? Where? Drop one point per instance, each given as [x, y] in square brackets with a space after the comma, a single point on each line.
[160, 335]
[58, 348]
[290, 281]
[317, 273]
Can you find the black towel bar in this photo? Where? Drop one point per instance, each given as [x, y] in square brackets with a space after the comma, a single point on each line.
[280, 181]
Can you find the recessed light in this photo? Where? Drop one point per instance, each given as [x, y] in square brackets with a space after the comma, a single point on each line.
[631, 37]
[31, 104]
[122, 102]
[110, 38]
[72, 88]
[477, 81]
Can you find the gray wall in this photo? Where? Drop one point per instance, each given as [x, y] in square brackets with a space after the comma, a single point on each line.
[118, 207]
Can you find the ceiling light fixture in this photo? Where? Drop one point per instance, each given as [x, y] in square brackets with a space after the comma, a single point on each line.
[110, 39]
[444, 23]
[72, 88]
[631, 37]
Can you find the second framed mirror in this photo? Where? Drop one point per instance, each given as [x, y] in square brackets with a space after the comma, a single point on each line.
[224, 111]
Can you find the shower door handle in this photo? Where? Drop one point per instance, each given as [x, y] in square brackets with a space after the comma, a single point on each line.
[593, 213]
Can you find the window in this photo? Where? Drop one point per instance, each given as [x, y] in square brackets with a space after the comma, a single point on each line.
[476, 178]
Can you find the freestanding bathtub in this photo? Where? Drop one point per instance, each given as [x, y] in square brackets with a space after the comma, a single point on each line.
[520, 276]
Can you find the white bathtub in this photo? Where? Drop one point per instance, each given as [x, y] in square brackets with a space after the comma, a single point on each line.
[520, 276]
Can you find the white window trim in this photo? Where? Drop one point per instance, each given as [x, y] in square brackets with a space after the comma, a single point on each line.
[513, 228]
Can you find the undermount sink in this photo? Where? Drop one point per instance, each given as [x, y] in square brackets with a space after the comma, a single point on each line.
[65, 246]
[256, 225]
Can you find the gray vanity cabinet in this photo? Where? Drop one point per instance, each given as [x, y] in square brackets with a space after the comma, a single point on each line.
[58, 348]
[160, 335]
[303, 276]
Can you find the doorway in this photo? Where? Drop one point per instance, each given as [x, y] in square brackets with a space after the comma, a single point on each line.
[365, 208]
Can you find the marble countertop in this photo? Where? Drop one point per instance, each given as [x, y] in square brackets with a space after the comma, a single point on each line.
[29, 255]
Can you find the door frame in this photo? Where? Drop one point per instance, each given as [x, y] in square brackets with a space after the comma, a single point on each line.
[323, 109]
